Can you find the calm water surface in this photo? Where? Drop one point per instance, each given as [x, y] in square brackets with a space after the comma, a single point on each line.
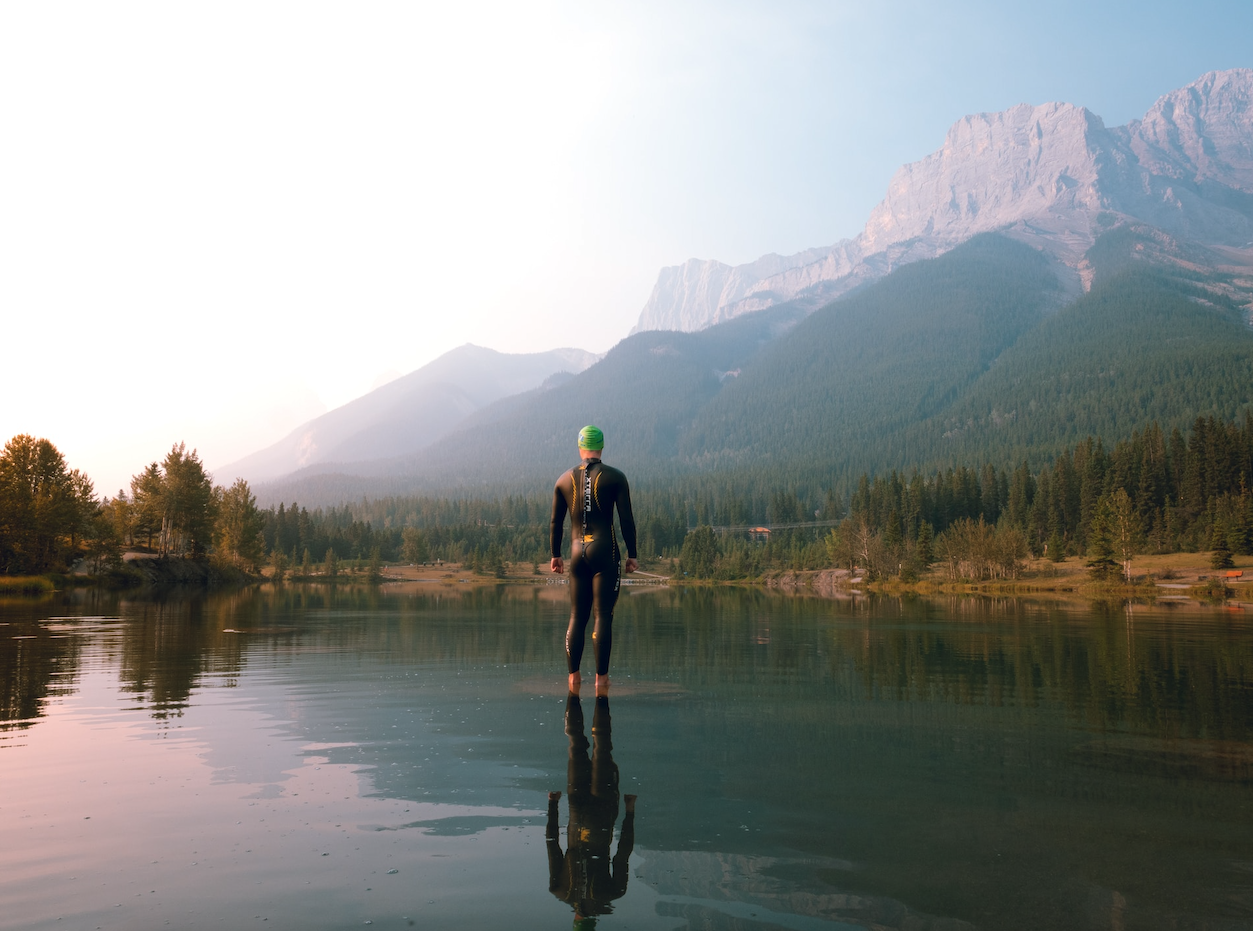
[314, 758]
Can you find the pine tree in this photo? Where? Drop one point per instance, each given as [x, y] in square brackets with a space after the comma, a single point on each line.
[892, 533]
[146, 504]
[1220, 555]
[700, 553]
[926, 545]
[492, 561]
[1091, 464]
[1101, 560]
[1243, 531]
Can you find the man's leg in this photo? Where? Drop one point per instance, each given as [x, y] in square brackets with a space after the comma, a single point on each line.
[605, 590]
[581, 597]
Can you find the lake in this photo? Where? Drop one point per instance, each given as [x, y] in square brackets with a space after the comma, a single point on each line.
[307, 757]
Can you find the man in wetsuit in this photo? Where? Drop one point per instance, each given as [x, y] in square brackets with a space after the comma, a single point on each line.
[590, 491]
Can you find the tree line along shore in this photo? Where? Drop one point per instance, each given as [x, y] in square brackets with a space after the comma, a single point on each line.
[1155, 494]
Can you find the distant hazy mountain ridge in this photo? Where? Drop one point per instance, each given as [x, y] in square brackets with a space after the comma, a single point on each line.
[1052, 175]
[410, 412]
[704, 288]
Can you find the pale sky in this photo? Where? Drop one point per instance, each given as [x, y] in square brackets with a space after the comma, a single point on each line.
[218, 220]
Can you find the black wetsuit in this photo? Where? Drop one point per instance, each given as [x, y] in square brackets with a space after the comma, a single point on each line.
[590, 492]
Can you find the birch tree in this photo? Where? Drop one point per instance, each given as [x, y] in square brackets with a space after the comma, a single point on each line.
[187, 504]
[237, 535]
[1124, 529]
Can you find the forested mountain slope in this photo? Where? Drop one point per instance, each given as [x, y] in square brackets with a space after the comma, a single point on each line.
[962, 359]
[1139, 347]
[970, 357]
[854, 376]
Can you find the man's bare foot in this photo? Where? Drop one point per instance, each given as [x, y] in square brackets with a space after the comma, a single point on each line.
[576, 683]
[629, 799]
[602, 686]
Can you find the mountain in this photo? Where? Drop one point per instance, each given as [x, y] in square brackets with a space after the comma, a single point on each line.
[1052, 176]
[699, 289]
[852, 377]
[1038, 279]
[410, 412]
[977, 355]
[968, 358]
[644, 393]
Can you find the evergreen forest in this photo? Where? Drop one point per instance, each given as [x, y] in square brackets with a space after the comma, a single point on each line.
[1188, 490]
[1177, 490]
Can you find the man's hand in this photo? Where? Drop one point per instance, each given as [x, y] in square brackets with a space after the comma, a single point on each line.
[557, 565]
[632, 564]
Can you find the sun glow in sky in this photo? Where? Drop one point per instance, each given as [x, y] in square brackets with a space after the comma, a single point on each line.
[219, 220]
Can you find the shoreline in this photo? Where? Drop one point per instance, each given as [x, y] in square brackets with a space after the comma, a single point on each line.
[1160, 576]
[1166, 577]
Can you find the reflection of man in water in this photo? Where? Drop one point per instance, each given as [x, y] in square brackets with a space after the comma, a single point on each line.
[585, 876]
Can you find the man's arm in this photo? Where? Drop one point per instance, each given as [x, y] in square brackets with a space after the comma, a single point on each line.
[557, 528]
[626, 517]
[556, 859]
[626, 844]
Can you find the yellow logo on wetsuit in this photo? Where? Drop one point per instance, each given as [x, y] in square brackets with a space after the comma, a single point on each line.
[587, 501]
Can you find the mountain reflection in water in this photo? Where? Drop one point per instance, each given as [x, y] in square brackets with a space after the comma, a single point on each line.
[800, 763]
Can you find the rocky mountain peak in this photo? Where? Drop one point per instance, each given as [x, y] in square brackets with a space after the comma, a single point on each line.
[993, 170]
[1202, 132]
[1052, 175]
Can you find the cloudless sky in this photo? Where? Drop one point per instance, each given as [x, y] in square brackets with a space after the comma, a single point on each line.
[218, 220]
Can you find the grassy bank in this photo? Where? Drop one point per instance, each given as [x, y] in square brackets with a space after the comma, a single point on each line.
[26, 585]
[1164, 576]
[1178, 575]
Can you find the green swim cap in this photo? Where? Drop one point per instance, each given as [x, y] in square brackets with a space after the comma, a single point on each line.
[591, 438]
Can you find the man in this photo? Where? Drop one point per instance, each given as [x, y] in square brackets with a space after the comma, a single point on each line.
[590, 492]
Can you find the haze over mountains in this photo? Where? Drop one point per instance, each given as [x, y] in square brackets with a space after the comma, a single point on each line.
[1037, 278]
[410, 412]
